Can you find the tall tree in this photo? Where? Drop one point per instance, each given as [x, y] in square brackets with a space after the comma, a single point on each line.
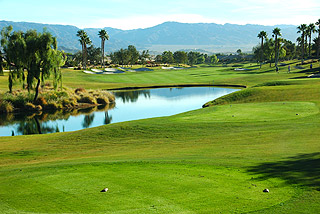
[262, 35]
[318, 49]
[133, 55]
[311, 28]
[84, 41]
[302, 29]
[276, 33]
[103, 36]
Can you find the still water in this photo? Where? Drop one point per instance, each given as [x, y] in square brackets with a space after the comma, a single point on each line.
[130, 105]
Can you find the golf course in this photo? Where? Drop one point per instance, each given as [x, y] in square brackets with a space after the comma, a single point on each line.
[217, 159]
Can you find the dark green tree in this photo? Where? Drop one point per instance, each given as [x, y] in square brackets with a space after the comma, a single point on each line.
[302, 29]
[84, 41]
[167, 57]
[192, 57]
[318, 46]
[311, 28]
[133, 55]
[276, 34]
[262, 35]
[180, 57]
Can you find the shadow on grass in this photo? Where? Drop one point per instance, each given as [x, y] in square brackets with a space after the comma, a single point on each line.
[302, 169]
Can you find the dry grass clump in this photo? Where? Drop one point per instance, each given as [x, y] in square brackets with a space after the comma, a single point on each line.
[22, 100]
[6, 106]
[41, 101]
[87, 98]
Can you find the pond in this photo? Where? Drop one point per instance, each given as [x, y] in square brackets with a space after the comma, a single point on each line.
[130, 105]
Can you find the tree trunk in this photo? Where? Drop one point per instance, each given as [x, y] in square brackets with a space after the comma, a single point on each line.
[37, 90]
[38, 125]
[318, 45]
[102, 53]
[83, 63]
[309, 46]
[261, 60]
[85, 57]
[302, 43]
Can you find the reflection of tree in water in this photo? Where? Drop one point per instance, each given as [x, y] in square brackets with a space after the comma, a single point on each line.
[36, 123]
[131, 96]
[33, 126]
[107, 118]
[87, 121]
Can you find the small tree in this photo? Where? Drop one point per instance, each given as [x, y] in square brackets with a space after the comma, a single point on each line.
[214, 59]
[144, 56]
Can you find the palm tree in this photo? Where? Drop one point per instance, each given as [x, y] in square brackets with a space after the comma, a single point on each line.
[103, 36]
[311, 28]
[302, 29]
[262, 35]
[318, 49]
[275, 33]
[84, 40]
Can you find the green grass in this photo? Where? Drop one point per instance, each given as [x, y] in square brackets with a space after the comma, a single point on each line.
[212, 160]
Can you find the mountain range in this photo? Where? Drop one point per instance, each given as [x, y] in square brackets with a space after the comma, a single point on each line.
[208, 37]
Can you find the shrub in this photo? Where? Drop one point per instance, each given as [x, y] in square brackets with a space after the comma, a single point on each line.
[30, 107]
[103, 100]
[80, 90]
[69, 103]
[88, 99]
[6, 107]
[41, 101]
[52, 105]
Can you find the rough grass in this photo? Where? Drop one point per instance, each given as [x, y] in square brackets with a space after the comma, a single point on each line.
[203, 161]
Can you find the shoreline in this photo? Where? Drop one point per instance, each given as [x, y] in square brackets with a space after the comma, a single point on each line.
[176, 86]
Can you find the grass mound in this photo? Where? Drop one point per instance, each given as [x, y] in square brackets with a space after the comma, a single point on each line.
[254, 112]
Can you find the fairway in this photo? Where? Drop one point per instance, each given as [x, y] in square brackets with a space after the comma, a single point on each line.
[138, 187]
[217, 159]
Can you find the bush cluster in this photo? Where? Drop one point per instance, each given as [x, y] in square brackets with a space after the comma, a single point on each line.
[53, 100]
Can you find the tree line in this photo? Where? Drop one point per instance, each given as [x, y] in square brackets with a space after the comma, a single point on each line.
[275, 48]
[32, 58]
[131, 56]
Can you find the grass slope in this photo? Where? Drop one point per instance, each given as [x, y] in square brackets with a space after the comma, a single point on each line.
[212, 160]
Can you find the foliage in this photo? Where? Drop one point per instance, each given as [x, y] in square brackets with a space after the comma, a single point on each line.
[6, 106]
[94, 55]
[167, 57]
[180, 57]
[84, 41]
[34, 52]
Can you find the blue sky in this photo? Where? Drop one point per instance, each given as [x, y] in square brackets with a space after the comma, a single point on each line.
[132, 14]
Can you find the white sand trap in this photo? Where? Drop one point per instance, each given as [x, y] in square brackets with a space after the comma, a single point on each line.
[111, 69]
[89, 72]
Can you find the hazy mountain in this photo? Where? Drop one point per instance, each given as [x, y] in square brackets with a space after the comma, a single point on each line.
[172, 36]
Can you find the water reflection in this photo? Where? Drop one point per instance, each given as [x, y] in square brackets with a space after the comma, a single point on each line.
[88, 119]
[131, 96]
[131, 105]
[41, 123]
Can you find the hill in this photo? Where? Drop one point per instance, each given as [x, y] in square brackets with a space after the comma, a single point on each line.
[166, 36]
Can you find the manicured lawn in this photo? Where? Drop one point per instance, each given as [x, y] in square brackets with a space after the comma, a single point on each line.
[213, 160]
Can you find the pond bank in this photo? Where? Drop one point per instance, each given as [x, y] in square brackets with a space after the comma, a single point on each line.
[178, 86]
